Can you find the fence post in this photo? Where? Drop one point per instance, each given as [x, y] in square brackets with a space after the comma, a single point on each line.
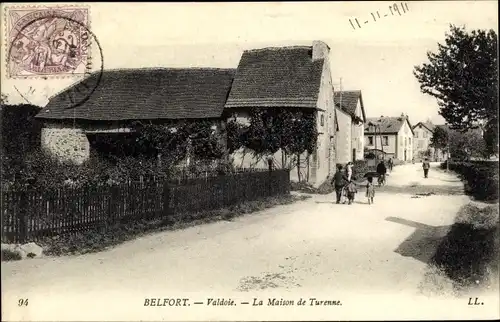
[23, 211]
[166, 200]
[112, 206]
[270, 179]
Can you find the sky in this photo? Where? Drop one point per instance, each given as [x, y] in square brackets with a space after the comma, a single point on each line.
[377, 58]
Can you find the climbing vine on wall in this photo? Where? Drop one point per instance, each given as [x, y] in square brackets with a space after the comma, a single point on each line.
[174, 141]
[293, 131]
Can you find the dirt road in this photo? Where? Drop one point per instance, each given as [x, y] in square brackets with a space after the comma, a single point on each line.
[371, 258]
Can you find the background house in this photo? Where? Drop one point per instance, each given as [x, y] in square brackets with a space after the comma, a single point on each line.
[152, 95]
[392, 135]
[296, 77]
[423, 132]
[351, 118]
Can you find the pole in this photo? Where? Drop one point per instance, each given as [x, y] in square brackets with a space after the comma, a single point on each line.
[380, 139]
[448, 159]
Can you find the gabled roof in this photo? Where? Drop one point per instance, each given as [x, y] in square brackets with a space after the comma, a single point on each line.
[157, 93]
[388, 124]
[427, 125]
[277, 76]
[349, 101]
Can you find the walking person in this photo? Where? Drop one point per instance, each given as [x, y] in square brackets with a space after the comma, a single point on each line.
[338, 181]
[370, 190]
[390, 163]
[381, 170]
[426, 166]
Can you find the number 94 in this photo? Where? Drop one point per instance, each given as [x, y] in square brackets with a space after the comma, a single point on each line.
[22, 302]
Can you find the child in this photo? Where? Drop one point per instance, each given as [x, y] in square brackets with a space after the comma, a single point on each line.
[370, 190]
[351, 191]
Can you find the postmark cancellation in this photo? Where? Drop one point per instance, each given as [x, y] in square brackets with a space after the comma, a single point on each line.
[47, 41]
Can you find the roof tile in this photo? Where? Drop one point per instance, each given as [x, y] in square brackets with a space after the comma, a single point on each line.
[388, 124]
[157, 93]
[279, 76]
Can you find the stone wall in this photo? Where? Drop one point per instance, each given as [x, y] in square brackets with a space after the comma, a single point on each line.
[65, 143]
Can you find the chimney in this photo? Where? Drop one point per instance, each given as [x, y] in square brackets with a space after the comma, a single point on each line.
[320, 50]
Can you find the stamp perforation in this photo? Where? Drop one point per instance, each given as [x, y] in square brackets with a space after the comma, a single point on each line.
[34, 7]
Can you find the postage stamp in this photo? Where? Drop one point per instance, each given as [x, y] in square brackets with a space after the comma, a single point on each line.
[45, 41]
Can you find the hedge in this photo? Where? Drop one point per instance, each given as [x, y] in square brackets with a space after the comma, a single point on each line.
[481, 178]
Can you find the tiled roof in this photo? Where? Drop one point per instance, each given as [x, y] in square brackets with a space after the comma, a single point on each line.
[281, 76]
[158, 93]
[388, 124]
[428, 125]
[349, 101]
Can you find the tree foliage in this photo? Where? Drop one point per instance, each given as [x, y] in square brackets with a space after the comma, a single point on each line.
[439, 139]
[461, 145]
[463, 76]
[464, 145]
[20, 135]
[174, 141]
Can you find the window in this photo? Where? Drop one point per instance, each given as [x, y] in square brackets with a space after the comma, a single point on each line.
[322, 120]
[385, 140]
[370, 140]
[409, 141]
[406, 141]
[425, 134]
[416, 135]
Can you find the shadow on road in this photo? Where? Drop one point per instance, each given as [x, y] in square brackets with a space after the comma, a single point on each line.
[424, 241]
[463, 252]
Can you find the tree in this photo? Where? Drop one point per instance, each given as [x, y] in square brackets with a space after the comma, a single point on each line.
[20, 134]
[234, 136]
[439, 139]
[173, 142]
[464, 145]
[462, 75]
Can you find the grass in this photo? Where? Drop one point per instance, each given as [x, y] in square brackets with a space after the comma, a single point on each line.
[324, 189]
[99, 239]
[469, 254]
[9, 255]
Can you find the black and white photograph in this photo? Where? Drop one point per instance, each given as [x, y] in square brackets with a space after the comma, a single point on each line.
[249, 161]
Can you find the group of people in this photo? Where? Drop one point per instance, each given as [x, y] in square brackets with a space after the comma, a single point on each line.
[344, 180]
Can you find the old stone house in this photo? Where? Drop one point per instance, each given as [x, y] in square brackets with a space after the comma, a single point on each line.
[296, 77]
[351, 119]
[288, 77]
[391, 135]
[159, 95]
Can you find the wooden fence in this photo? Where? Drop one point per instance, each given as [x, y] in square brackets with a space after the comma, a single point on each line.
[32, 215]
